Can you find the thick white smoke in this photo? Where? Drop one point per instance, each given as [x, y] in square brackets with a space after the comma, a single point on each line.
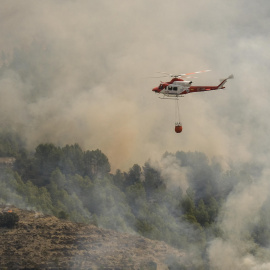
[239, 216]
[81, 68]
[75, 71]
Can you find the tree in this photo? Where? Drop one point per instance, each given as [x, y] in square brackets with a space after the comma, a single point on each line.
[71, 161]
[212, 208]
[153, 179]
[119, 179]
[187, 205]
[96, 164]
[10, 144]
[134, 175]
[58, 178]
[47, 157]
[136, 197]
[201, 214]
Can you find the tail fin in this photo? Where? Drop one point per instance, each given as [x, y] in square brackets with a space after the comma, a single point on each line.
[223, 81]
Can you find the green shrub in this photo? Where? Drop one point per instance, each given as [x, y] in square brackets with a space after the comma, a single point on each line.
[8, 220]
[63, 215]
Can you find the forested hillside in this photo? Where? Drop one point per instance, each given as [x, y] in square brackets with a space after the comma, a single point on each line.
[179, 205]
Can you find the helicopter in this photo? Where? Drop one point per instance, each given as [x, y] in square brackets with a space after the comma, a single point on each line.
[178, 87]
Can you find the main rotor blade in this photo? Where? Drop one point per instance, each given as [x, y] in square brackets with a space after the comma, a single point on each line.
[165, 76]
[166, 73]
[184, 74]
[196, 72]
[188, 77]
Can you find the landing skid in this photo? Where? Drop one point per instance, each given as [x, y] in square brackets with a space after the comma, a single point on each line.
[172, 98]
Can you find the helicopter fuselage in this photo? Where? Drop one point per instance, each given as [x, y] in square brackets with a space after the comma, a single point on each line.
[177, 87]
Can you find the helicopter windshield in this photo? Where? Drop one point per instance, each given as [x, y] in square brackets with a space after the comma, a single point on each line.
[160, 86]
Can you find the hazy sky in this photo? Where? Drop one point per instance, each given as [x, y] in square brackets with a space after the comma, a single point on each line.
[93, 60]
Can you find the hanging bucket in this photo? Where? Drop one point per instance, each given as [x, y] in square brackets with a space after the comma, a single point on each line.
[178, 127]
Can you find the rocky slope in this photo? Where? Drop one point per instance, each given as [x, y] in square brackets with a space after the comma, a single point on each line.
[45, 242]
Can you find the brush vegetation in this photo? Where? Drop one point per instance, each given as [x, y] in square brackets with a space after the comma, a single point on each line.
[77, 185]
[8, 220]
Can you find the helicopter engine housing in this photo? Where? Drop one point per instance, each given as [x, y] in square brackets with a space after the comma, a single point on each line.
[183, 83]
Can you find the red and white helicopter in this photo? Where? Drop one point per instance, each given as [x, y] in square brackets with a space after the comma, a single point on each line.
[178, 87]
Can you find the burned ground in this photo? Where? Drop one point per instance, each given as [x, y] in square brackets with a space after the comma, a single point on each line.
[45, 242]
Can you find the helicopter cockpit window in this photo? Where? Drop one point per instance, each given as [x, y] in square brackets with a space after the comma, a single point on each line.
[160, 86]
[170, 87]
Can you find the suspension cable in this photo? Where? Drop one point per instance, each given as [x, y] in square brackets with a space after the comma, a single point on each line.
[177, 112]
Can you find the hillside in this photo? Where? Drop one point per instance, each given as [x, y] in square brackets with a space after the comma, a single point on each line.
[46, 242]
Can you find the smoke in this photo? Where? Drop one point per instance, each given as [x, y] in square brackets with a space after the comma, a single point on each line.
[172, 171]
[243, 219]
[240, 214]
[76, 72]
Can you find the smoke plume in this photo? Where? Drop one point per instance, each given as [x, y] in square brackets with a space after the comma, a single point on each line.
[75, 71]
[240, 214]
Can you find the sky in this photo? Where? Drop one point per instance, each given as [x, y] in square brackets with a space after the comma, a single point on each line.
[93, 60]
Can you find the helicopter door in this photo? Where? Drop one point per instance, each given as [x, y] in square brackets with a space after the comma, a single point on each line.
[172, 89]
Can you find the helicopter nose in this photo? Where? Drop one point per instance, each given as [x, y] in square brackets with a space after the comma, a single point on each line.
[156, 90]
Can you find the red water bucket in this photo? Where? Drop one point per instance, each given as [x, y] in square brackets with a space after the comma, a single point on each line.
[178, 128]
